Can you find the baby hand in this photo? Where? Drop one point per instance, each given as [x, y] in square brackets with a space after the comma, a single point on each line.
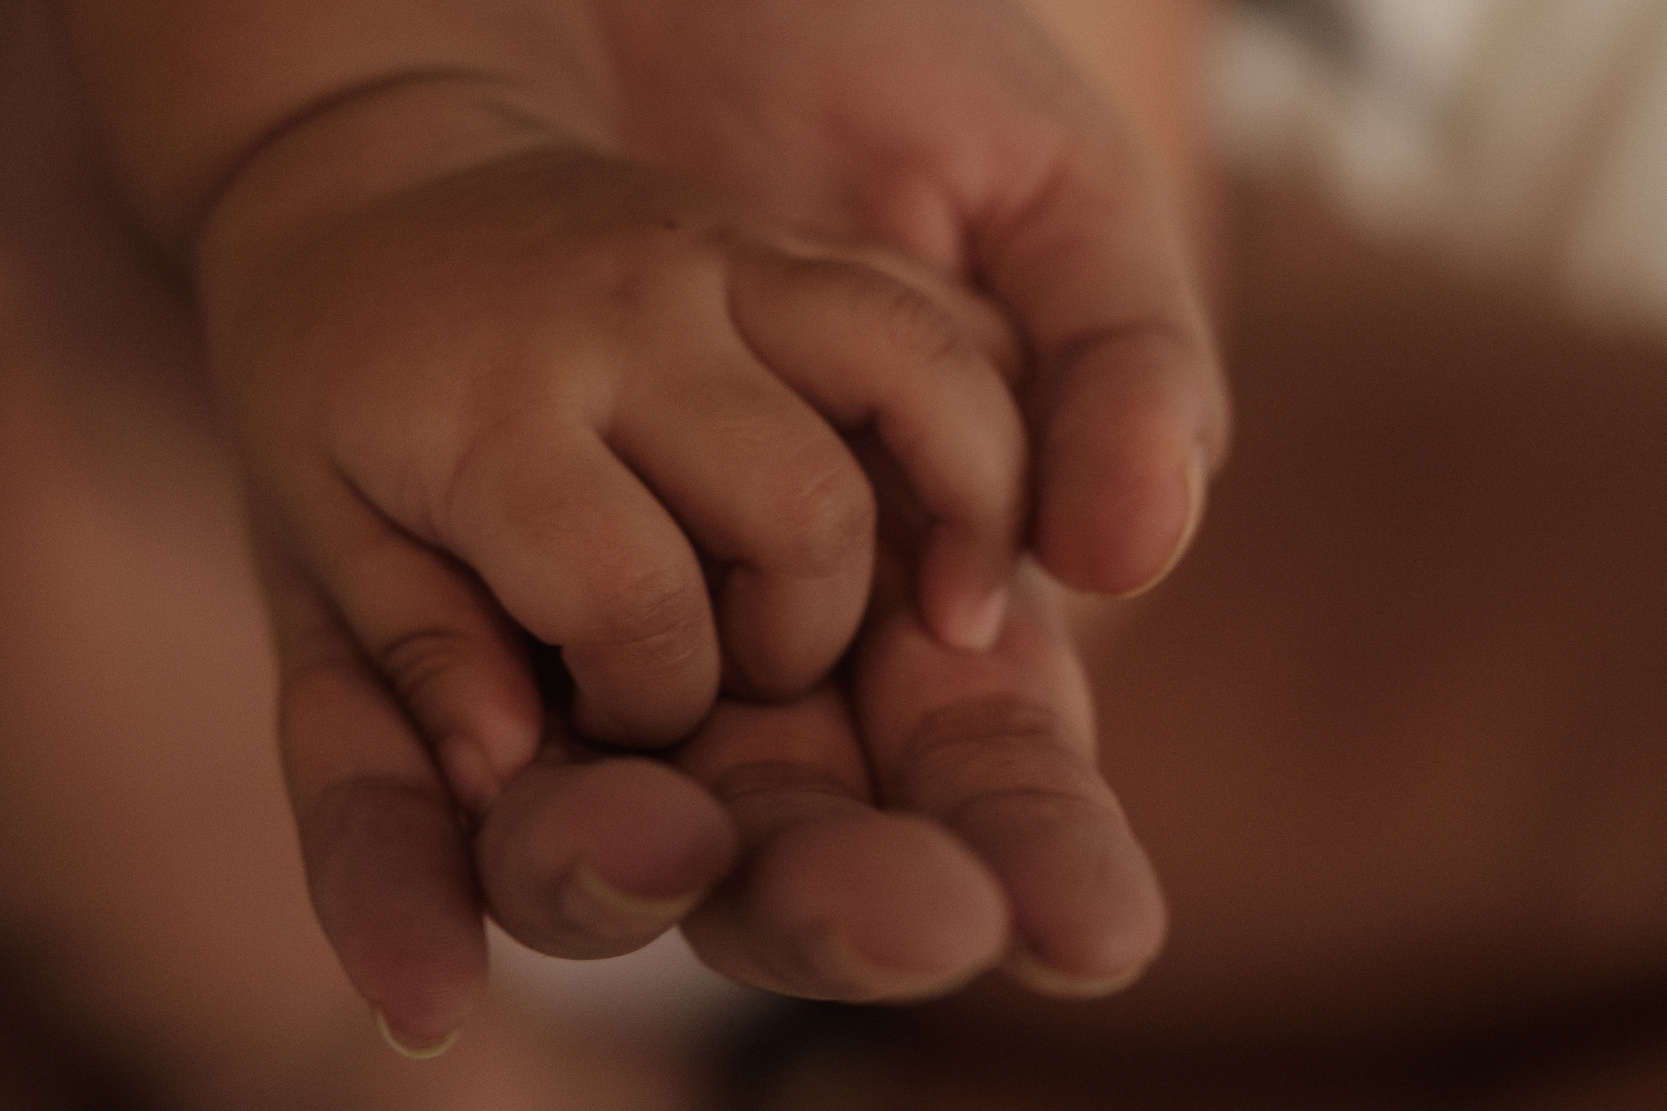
[570, 394]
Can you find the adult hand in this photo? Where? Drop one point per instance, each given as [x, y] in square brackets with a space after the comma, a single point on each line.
[967, 827]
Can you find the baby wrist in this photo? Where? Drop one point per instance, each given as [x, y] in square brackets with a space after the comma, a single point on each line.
[373, 142]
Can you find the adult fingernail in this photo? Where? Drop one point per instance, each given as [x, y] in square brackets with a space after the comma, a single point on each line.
[411, 1048]
[600, 908]
[1025, 966]
[842, 972]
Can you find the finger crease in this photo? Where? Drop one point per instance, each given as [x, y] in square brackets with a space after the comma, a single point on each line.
[776, 777]
[1038, 804]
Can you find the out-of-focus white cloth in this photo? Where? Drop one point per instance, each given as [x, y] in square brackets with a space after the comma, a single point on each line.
[1530, 134]
[661, 996]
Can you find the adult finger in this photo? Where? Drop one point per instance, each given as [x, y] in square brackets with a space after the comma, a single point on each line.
[585, 857]
[1000, 748]
[386, 857]
[833, 899]
[870, 350]
[1127, 405]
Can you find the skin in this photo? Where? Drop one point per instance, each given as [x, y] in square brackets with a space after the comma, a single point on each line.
[149, 851]
[318, 196]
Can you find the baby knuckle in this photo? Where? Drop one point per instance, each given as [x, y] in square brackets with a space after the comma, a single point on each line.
[825, 521]
[919, 328]
[416, 662]
[656, 613]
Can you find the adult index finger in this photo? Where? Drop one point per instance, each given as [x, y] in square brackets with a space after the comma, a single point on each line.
[1000, 748]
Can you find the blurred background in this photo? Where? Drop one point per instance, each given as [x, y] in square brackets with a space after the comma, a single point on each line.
[1528, 134]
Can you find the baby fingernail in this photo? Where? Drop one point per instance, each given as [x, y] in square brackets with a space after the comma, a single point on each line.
[411, 1048]
[470, 776]
[602, 909]
[977, 626]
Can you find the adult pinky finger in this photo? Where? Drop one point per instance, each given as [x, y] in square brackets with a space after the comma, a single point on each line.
[385, 853]
[1000, 748]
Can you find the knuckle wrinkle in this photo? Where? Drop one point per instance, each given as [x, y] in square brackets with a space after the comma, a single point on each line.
[654, 613]
[922, 330]
[827, 521]
[416, 661]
